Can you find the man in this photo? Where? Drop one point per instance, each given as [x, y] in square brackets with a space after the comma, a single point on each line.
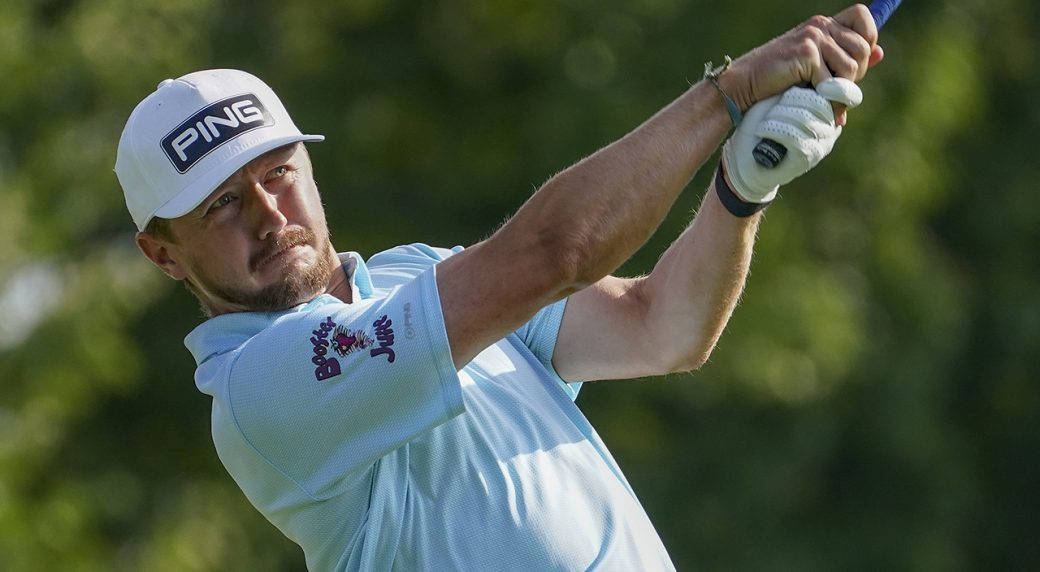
[415, 410]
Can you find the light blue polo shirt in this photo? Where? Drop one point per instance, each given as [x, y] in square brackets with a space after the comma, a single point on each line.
[348, 427]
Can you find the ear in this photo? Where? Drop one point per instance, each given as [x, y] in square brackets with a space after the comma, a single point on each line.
[163, 254]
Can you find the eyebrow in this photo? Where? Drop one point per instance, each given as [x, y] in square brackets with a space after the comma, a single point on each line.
[224, 187]
[203, 206]
[277, 155]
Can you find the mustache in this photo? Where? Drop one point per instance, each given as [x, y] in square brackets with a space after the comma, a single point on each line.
[284, 241]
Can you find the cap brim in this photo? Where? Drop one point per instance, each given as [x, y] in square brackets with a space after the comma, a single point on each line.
[193, 195]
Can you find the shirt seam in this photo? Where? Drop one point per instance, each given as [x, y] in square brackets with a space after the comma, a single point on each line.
[248, 441]
[451, 386]
[216, 354]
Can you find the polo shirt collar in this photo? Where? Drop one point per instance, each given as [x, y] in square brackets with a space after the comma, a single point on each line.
[226, 332]
[357, 273]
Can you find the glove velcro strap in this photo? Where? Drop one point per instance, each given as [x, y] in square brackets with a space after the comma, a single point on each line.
[734, 204]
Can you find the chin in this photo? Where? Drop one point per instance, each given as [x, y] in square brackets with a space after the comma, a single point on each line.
[300, 283]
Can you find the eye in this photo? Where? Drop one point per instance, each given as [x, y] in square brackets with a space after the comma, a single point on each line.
[277, 172]
[222, 200]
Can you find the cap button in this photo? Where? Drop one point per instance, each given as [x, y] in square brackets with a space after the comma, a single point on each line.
[164, 83]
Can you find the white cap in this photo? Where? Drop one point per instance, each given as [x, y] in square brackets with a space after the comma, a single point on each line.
[191, 134]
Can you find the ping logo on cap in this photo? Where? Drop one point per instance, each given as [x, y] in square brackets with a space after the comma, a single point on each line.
[213, 126]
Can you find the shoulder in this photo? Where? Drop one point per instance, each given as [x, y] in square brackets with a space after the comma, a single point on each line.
[415, 253]
[401, 264]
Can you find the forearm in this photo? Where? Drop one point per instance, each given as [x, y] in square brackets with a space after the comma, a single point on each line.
[602, 209]
[587, 220]
[597, 213]
[694, 287]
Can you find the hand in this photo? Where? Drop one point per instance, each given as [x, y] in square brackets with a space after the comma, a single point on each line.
[802, 120]
[843, 46]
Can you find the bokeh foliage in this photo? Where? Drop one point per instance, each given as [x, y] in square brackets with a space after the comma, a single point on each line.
[873, 404]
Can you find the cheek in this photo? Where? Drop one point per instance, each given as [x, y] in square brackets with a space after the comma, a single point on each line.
[221, 256]
[307, 203]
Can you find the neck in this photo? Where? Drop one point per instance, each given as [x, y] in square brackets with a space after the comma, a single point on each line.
[339, 283]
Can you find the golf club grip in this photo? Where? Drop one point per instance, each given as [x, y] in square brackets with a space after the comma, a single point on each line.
[769, 153]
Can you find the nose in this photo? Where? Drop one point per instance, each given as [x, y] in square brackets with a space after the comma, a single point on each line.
[267, 217]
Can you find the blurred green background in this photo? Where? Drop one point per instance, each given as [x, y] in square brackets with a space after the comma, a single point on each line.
[872, 405]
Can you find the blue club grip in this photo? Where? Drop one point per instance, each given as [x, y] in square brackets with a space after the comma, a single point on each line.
[881, 10]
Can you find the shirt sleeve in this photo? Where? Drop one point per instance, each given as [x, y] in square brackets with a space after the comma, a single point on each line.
[540, 334]
[332, 388]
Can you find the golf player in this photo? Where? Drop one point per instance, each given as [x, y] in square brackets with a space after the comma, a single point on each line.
[415, 409]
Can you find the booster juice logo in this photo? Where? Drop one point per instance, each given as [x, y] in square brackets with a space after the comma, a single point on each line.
[385, 337]
[326, 366]
[343, 341]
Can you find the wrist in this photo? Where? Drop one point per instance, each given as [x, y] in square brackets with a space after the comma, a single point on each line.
[743, 177]
[733, 202]
[713, 75]
[734, 82]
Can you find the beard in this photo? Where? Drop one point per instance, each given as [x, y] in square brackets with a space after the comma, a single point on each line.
[296, 287]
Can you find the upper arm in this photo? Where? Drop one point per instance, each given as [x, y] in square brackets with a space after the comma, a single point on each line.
[490, 289]
[605, 334]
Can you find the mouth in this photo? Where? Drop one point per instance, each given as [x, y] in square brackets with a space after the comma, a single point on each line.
[292, 241]
[279, 254]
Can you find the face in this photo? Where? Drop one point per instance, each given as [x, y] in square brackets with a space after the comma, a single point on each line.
[259, 242]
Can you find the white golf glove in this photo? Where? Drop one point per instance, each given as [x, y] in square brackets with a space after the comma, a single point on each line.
[801, 119]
